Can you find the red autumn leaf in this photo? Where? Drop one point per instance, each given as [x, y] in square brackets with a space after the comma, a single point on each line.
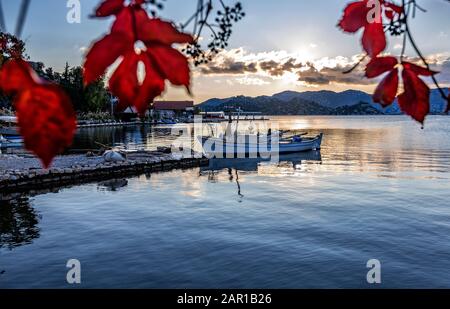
[158, 31]
[387, 89]
[414, 101]
[15, 76]
[171, 64]
[103, 54]
[152, 86]
[46, 120]
[374, 40]
[380, 65]
[418, 70]
[149, 31]
[389, 14]
[395, 8]
[124, 82]
[123, 24]
[160, 59]
[356, 16]
[45, 115]
[109, 7]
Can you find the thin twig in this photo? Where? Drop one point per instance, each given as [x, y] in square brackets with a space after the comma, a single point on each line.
[2, 19]
[425, 62]
[22, 15]
[356, 65]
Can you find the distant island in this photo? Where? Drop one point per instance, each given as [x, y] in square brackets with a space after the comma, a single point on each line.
[350, 102]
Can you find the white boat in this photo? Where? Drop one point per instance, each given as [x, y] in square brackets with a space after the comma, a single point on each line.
[11, 141]
[9, 135]
[259, 144]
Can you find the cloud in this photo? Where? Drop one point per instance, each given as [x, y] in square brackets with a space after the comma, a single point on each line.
[275, 68]
[229, 66]
[252, 81]
[333, 74]
[262, 68]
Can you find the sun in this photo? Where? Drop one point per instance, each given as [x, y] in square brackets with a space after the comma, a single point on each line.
[290, 78]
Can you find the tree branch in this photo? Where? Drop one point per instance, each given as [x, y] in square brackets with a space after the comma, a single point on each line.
[22, 16]
[2, 19]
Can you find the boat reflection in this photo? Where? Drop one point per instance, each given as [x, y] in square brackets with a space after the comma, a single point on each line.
[236, 165]
[18, 223]
[112, 185]
[252, 164]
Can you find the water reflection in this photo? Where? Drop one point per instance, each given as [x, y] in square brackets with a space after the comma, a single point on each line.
[135, 136]
[377, 189]
[112, 185]
[235, 166]
[391, 143]
[252, 164]
[18, 223]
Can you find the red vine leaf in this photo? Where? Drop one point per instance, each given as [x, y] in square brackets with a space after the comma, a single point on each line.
[160, 59]
[387, 89]
[356, 16]
[103, 54]
[418, 70]
[152, 86]
[162, 32]
[45, 115]
[393, 7]
[414, 101]
[391, 10]
[124, 82]
[16, 76]
[171, 64]
[46, 120]
[109, 7]
[380, 65]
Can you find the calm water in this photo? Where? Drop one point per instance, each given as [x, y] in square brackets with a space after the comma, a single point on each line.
[378, 189]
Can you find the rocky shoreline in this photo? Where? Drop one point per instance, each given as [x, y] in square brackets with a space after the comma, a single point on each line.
[20, 174]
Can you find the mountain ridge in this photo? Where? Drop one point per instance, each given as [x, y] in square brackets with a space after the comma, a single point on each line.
[324, 102]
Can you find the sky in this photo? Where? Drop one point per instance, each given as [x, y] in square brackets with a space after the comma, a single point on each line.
[280, 45]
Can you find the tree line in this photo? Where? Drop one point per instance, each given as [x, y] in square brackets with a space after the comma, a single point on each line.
[93, 98]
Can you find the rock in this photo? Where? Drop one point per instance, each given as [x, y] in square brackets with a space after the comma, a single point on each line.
[113, 156]
[164, 149]
[13, 178]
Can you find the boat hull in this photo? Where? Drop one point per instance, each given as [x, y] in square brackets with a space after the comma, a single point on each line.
[9, 132]
[218, 147]
[11, 141]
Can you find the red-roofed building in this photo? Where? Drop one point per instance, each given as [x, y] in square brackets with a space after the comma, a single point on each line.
[173, 105]
[172, 109]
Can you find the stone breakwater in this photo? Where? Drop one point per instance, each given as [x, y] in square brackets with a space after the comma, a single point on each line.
[25, 173]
